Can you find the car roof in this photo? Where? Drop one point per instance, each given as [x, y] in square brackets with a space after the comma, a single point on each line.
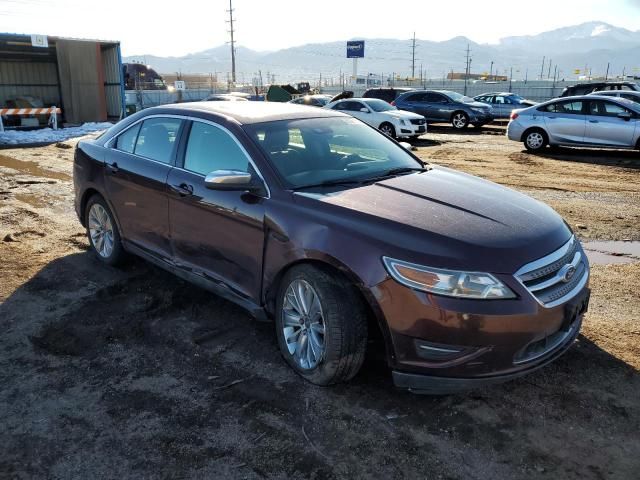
[624, 101]
[503, 94]
[251, 112]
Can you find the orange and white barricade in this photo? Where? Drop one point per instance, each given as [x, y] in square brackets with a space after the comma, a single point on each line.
[52, 111]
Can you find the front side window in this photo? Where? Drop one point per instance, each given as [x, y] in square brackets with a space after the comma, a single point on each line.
[210, 148]
[633, 98]
[606, 109]
[157, 139]
[315, 150]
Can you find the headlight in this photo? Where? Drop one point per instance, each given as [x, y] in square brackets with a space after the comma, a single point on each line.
[479, 110]
[447, 282]
[403, 122]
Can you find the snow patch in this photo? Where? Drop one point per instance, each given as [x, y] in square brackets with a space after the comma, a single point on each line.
[600, 30]
[48, 135]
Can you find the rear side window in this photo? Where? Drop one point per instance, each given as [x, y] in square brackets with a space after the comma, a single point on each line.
[564, 107]
[126, 142]
[431, 97]
[157, 139]
[210, 148]
[414, 97]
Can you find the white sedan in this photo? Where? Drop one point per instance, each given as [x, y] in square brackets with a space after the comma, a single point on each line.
[379, 114]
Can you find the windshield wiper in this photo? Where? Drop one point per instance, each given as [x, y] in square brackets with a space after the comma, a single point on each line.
[331, 183]
[389, 173]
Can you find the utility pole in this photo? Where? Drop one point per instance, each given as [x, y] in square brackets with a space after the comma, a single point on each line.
[510, 78]
[233, 43]
[606, 77]
[542, 69]
[466, 73]
[413, 56]
[549, 74]
[490, 71]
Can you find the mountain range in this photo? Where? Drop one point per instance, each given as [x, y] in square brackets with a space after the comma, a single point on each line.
[592, 45]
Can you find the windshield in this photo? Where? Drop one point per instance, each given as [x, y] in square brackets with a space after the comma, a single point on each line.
[458, 97]
[311, 151]
[379, 105]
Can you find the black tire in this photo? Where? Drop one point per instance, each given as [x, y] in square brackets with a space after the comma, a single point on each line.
[345, 325]
[459, 120]
[116, 254]
[388, 129]
[535, 140]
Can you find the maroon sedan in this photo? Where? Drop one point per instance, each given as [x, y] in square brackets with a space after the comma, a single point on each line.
[316, 221]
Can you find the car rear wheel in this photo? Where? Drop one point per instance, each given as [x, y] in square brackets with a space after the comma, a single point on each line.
[460, 120]
[102, 231]
[388, 129]
[535, 140]
[321, 325]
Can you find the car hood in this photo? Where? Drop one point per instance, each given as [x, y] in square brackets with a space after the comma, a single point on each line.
[447, 219]
[478, 105]
[403, 114]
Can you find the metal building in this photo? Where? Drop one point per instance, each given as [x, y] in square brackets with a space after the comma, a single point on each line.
[83, 77]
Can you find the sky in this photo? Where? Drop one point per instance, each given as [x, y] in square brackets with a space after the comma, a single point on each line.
[180, 27]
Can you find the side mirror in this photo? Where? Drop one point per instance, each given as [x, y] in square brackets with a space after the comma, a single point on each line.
[406, 146]
[625, 116]
[364, 110]
[230, 180]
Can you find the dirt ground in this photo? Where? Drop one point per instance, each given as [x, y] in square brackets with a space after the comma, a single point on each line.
[132, 373]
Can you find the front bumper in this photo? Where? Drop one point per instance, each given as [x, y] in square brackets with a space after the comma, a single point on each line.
[411, 130]
[480, 118]
[435, 385]
[443, 344]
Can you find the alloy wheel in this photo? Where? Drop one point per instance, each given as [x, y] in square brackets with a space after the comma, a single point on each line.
[101, 230]
[303, 324]
[387, 130]
[459, 120]
[535, 140]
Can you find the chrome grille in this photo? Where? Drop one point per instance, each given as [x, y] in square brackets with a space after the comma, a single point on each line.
[548, 278]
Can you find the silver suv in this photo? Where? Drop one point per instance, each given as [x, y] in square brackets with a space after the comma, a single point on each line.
[593, 121]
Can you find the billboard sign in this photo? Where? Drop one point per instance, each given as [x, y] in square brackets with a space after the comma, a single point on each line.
[355, 49]
[39, 41]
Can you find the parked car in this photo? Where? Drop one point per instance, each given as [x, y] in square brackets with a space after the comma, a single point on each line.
[446, 106]
[628, 94]
[587, 88]
[383, 116]
[503, 103]
[588, 120]
[224, 97]
[313, 220]
[312, 100]
[386, 94]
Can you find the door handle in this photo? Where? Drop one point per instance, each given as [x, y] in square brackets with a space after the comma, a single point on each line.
[551, 118]
[183, 189]
[594, 121]
[113, 167]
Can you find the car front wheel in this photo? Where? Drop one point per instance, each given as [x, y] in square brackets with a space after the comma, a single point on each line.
[460, 120]
[388, 129]
[321, 325]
